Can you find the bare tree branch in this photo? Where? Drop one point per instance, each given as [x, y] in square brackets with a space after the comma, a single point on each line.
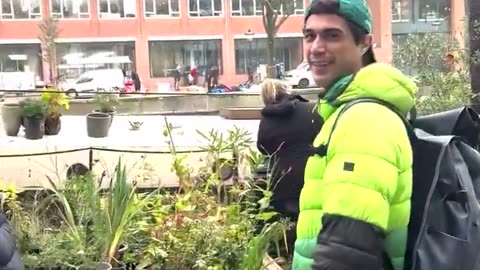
[275, 13]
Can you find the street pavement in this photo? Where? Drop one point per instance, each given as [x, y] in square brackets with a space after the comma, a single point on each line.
[150, 170]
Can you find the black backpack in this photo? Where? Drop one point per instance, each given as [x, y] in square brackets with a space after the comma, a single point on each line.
[444, 228]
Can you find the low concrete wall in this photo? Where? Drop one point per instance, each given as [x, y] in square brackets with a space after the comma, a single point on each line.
[179, 104]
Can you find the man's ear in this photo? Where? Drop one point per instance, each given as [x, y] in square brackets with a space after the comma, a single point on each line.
[367, 43]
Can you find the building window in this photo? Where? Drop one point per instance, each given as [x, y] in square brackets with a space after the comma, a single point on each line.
[401, 10]
[161, 8]
[70, 9]
[254, 7]
[21, 9]
[434, 10]
[204, 8]
[288, 51]
[115, 9]
[76, 58]
[165, 56]
[21, 58]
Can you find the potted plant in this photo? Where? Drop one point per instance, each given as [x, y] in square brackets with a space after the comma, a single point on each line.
[12, 118]
[106, 104]
[55, 100]
[34, 112]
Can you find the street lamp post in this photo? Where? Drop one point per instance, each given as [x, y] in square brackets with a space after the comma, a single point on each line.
[249, 34]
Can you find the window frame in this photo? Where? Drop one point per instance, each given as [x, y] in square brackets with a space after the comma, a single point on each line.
[151, 43]
[154, 15]
[410, 9]
[257, 50]
[418, 9]
[109, 7]
[22, 19]
[238, 13]
[53, 14]
[221, 12]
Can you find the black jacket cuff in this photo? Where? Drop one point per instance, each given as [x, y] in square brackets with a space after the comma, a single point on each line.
[348, 244]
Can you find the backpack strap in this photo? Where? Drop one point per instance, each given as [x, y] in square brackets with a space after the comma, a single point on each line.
[323, 148]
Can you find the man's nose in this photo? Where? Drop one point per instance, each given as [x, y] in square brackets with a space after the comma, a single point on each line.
[318, 46]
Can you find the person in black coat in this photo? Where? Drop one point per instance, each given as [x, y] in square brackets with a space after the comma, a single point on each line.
[287, 129]
[9, 256]
[136, 81]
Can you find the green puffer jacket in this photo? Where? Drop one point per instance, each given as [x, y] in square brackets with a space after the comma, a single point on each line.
[355, 203]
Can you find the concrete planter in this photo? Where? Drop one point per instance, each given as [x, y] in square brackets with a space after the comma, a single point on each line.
[12, 118]
[241, 113]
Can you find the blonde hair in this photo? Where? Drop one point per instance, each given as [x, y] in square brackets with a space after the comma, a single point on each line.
[273, 90]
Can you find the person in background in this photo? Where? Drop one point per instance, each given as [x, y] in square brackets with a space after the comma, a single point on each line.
[212, 78]
[215, 76]
[136, 81]
[194, 74]
[177, 75]
[9, 256]
[250, 74]
[287, 129]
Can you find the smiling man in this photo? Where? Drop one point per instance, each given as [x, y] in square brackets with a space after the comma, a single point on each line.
[355, 203]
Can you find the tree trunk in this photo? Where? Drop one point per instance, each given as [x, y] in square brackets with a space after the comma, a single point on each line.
[270, 28]
[53, 63]
[474, 30]
[271, 50]
[271, 68]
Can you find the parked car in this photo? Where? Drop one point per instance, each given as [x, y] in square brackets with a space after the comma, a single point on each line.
[300, 77]
[92, 81]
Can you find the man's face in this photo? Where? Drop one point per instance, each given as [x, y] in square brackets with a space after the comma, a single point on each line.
[331, 49]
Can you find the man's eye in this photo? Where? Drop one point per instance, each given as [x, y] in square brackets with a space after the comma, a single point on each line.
[308, 36]
[331, 36]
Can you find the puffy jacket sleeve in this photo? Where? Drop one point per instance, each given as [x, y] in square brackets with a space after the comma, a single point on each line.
[369, 149]
[9, 257]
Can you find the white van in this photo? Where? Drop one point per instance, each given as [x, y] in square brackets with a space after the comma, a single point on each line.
[300, 77]
[95, 80]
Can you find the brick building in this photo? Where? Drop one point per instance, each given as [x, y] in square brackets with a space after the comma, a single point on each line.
[157, 35]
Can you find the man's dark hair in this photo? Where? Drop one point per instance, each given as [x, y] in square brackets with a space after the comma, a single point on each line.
[333, 7]
[358, 33]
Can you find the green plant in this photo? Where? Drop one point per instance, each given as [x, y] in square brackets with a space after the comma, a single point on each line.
[186, 229]
[106, 102]
[442, 86]
[223, 151]
[34, 108]
[55, 100]
[192, 229]
[93, 223]
[258, 245]
[120, 209]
